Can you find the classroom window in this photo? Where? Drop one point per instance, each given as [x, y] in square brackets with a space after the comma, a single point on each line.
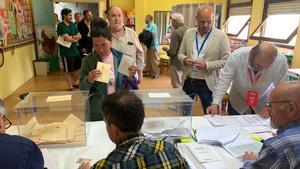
[237, 26]
[280, 23]
[280, 28]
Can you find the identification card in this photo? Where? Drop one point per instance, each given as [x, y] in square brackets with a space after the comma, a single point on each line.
[252, 98]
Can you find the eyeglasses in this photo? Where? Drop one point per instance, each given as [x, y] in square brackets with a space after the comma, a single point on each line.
[268, 104]
[7, 122]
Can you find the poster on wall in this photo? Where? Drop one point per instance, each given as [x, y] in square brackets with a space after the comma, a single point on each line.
[15, 21]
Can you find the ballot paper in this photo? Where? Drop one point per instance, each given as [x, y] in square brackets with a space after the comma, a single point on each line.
[60, 40]
[159, 95]
[208, 135]
[67, 97]
[203, 153]
[105, 72]
[256, 129]
[243, 120]
[70, 130]
[125, 64]
[240, 146]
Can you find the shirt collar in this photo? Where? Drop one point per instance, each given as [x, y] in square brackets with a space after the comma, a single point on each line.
[288, 126]
[114, 36]
[209, 30]
[138, 137]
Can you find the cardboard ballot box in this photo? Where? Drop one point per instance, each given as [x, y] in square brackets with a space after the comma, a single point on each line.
[168, 113]
[53, 119]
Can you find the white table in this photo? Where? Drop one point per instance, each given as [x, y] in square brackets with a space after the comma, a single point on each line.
[99, 146]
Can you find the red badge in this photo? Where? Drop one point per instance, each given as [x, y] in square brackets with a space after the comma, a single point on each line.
[252, 98]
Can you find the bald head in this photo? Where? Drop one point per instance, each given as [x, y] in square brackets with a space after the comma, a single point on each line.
[115, 18]
[288, 91]
[263, 55]
[204, 18]
[285, 104]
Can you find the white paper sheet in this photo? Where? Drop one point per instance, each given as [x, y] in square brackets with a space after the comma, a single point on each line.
[60, 40]
[105, 72]
[216, 136]
[244, 120]
[256, 129]
[48, 160]
[159, 95]
[125, 64]
[67, 97]
[203, 153]
[240, 146]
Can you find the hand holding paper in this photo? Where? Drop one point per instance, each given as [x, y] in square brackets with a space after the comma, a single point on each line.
[105, 72]
[93, 75]
[132, 71]
[60, 40]
[126, 66]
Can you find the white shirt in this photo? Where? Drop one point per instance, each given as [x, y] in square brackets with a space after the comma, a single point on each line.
[129, 45]
[195, 73]
[236, 71]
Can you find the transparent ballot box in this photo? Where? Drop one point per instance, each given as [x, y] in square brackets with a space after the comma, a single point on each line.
[168, 113]
[53, 119]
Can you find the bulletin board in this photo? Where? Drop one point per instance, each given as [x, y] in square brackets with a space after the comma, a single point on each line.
[15, 22]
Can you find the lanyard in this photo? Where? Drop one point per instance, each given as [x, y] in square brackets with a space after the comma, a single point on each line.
[197, 45]
[251, 78]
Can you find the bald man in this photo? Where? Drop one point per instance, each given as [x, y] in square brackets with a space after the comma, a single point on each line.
[203, 52]
[253, 72]
[283, 150]
[125, 39]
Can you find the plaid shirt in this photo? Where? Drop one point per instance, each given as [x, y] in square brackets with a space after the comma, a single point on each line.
[282, 151]
[138, 152]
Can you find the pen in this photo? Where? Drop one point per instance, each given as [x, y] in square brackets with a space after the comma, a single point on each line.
[194, 135]
[259, 139]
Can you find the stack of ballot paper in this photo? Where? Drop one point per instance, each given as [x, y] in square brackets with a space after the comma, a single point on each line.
[240, 146]
[70, 130]
[244, 120]
[216, 136]
[201, 156]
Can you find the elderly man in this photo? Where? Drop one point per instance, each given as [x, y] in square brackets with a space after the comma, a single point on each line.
[283, 150]
[124, 116]
[253, 72]
[125, 39]
[176, 38]
[203, 51]
[17, 152]
[152, 53]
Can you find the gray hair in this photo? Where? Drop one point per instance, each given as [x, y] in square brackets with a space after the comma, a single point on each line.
[178, 17]
[3, 110]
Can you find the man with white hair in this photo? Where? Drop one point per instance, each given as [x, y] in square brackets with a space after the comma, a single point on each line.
[17, 152]
[176, 38]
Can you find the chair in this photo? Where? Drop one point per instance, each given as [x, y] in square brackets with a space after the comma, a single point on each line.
[164, 62]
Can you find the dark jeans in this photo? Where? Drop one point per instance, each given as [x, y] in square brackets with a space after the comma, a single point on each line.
[232, 111]
[198, 87]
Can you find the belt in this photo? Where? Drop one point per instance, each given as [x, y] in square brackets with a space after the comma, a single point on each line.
[198, 81]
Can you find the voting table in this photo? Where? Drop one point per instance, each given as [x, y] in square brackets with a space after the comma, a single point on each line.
[98, 146]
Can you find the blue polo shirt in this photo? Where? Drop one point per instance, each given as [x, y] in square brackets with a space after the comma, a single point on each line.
[153, 28]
